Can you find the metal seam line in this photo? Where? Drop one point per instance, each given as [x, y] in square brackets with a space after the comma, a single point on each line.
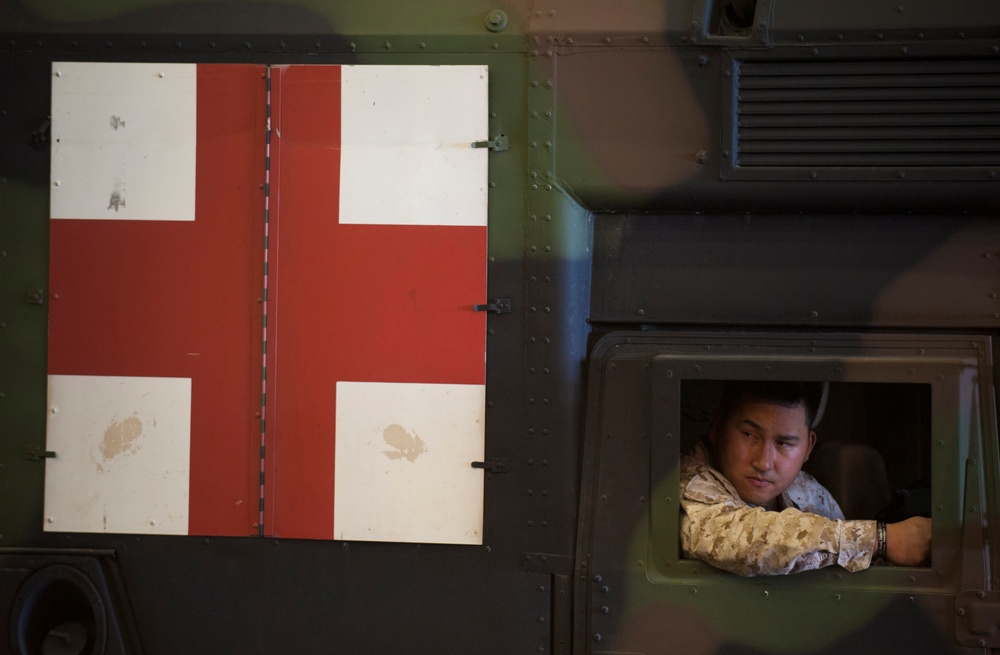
[263, 377]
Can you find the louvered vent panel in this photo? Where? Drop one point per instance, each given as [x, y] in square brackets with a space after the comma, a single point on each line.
[901, 114]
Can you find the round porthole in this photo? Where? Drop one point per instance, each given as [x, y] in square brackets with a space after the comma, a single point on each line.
[57, 611]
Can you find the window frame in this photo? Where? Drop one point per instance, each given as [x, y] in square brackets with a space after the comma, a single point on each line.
[958, 423]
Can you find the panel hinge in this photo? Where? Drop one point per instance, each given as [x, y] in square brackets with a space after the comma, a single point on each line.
[500, 306]
[35, 453]
[494, 465]
[496, 144]
[547, 563]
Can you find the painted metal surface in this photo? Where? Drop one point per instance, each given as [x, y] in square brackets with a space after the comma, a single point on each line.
[122, 454]
[639, 588]
[133, 301]
[406, 155]
[377, 293]
[408, 133]
[404, 451]
[616, 110]
[124, 141]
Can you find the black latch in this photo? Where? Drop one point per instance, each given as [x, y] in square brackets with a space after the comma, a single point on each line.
[34, 296]
[40, 137]
[492, 466]
[496, 144]
[501, 306]
[34, 453]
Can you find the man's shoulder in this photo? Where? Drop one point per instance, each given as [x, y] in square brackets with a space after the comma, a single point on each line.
[701, 483]
[810, 496]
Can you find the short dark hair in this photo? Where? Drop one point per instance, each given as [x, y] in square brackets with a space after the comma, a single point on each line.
[787, 394]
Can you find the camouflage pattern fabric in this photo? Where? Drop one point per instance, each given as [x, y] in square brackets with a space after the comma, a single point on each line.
[809, 532]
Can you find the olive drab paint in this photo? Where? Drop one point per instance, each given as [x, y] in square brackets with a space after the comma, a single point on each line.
[371, 326]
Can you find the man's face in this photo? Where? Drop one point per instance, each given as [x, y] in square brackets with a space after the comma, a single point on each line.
[761, 447]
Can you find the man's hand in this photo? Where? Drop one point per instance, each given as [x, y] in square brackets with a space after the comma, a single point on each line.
[908, 543]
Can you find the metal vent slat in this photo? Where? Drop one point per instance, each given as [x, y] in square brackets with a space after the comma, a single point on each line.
[853, 133]
[847, 106]
[791, 94]
[869, 81]
[983, 121]
[868, 113]
[865, 146]
[914, 67]
[867, 159]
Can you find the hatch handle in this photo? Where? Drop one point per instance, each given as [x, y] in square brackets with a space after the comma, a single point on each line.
[498, 143]
[35, 453]
[499, 306]
[495, 465]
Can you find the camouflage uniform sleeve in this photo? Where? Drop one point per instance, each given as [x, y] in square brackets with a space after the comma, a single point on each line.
[721, 529]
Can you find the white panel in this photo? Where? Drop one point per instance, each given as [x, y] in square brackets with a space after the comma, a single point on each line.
[404, 462]
[407, 134]
[123, 140]
[122, 449]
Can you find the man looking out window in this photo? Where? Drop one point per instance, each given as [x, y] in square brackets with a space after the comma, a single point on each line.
[748, 507]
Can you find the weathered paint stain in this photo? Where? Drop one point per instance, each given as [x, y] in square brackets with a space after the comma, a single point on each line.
[117, 200]
[120, 438]
[406, 446]
[116, 122]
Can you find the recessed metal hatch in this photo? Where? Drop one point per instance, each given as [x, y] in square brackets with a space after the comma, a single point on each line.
[901, 115]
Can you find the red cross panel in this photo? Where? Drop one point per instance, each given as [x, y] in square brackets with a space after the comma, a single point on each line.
[304, 243]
